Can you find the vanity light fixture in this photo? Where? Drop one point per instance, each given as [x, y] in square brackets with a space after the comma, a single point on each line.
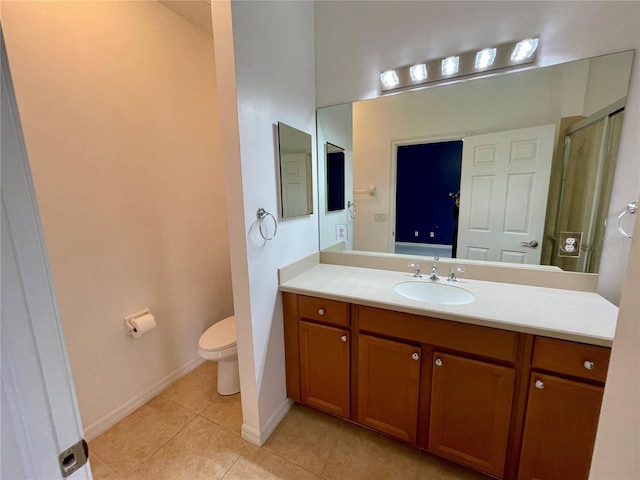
[524, 49]
[514, 54]
[485, 58]
[389, 79]
[418, 72]
[450, 66]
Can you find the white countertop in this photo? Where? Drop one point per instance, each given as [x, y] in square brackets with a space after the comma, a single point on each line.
[564, 314]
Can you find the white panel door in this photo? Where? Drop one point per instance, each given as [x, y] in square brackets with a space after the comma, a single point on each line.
[503, 194]
[295, 193]
[40, 418]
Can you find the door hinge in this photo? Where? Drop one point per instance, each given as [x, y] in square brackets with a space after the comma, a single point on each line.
[73, 458]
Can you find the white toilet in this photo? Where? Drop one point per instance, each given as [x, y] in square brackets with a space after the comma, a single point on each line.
[218, 343]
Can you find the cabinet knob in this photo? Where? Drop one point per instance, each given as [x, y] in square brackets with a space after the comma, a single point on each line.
[438, 362]
[343, 338]
[321, 311]
[539, 384]
[415, 356]
[589, 365]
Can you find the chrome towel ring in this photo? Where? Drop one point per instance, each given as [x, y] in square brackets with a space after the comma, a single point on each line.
[631, 208]
[261, 215]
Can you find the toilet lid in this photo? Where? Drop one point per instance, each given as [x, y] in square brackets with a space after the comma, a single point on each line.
[219, 335]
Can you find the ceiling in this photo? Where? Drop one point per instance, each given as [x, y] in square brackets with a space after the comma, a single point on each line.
[196, 12]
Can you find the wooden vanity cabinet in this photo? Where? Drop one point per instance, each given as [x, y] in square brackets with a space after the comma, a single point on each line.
[388, 386]
[324, 368]
[471, 404]
[467, 384]
[512, 405]
[565, 395]
[318, 353]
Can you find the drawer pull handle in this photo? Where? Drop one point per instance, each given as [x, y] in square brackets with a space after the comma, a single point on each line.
[343, 338]
[589, 365]
[539, 384]
[415, 356]
[321, 311]
[438, 362]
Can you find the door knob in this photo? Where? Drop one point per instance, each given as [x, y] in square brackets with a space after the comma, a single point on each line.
[531, 244]
[343, 338]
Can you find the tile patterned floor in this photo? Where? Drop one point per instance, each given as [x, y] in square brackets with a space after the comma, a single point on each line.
[189, 432]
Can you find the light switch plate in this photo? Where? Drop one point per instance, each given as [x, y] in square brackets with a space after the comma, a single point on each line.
[570, 244]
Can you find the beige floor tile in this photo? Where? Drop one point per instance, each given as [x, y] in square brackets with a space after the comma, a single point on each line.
[196, 390]
[261, 464]
[367, 455]
[99, 469]
[226, 410]
[431, 467]
[202, 450]
[135, 438]
[307, 437]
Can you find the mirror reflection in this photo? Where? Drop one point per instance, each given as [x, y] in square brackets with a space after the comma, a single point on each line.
[521, 193]
[296, 190]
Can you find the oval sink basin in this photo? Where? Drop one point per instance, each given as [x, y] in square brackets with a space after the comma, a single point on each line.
[441, 293]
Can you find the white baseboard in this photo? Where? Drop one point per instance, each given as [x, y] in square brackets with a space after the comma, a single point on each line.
[117, 414]
[259, 437]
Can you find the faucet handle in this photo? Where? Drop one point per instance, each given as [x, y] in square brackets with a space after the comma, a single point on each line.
[417, 273]
[452, 274]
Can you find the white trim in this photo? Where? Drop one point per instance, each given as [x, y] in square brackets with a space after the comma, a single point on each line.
[251, 435]
[114, 416]
[259, 438]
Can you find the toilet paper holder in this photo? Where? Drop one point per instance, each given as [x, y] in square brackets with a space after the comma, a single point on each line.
[131, 329]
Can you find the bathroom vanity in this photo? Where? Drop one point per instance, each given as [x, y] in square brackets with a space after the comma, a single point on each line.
[509, 384]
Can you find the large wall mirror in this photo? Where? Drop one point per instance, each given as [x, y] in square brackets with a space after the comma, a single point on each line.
[506, 168]
[296, 188]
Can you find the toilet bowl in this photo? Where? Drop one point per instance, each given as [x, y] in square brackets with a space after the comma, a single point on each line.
[218, 344]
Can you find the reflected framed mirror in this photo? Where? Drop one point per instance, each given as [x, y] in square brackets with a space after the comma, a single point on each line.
[296, 187]
[334, 157]
[506, 123]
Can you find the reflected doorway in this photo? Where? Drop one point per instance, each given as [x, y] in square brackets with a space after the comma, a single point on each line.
[427, 186]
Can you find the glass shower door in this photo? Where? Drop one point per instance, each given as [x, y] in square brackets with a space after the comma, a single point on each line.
[589, 165]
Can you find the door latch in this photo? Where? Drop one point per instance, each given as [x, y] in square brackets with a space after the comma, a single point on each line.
[73, 458]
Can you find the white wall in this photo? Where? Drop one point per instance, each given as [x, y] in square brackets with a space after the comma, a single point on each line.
[118, 106]
[274, 74]
[617, 451]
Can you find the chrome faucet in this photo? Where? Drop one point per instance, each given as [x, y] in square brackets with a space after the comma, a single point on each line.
[452, 274]
[417, 273]
[434, 269]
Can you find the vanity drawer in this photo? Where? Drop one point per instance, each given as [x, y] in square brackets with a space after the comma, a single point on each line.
[579, 360]
[473, 339]
[327, 311]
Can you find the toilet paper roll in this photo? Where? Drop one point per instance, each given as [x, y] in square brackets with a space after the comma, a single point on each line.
[143, 325]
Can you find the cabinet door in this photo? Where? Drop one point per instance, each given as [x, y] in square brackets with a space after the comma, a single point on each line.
[388, 386]
[324, 368]
[560, 429]
[471, 411]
